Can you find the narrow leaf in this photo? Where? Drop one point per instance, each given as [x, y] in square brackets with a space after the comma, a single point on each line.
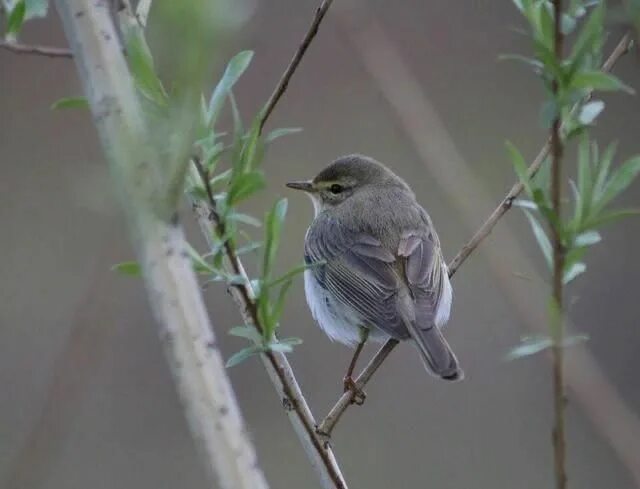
[598, 80]
[248, 332]
[242, 355]
[519, 165]
[15, 20]
[588, 238]
[573, 271]
[70, 103]
[234, 70]
[541, 237]
[278, 133]
[620, 180]
[244, 186]
[131, 268]
[529, 346]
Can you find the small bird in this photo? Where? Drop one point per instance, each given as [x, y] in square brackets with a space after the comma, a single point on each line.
[376, 270]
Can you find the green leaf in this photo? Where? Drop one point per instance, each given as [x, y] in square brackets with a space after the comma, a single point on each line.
[280, 347]
[246, 331]
[244, 186]
[529, 346]
[589, 112]
[131, 268]
[573, 271]
[244, 218]
[242, 355]
[293, 341]
[585, 180]
[537, 66]
[143, 70]
[620, 180]
[273, 221]
[278, 133]
[15, 20]
[256, 245]
[602, 173]
[70, 103]
[588, 238]
[611, 216]
[519, 165]
[199, 264]
[598, 80]
[234, 70]
[541, 237]
[252, 147]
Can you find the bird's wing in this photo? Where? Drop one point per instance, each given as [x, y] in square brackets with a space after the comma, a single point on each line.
[425, 275]
[359, 271]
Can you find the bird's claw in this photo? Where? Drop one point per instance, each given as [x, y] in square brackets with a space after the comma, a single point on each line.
[358, 396]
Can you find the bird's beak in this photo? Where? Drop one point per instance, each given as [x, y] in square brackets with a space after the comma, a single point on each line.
[305, 185]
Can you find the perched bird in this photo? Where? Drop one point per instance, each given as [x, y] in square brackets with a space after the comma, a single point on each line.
[376, 269]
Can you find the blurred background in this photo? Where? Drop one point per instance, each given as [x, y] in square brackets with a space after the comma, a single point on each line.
[86, 397]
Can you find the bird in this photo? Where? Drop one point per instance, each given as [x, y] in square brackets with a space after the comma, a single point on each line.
[375, 269]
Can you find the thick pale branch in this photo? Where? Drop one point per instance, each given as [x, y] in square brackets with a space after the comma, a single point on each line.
[344, 402]
[196, 363]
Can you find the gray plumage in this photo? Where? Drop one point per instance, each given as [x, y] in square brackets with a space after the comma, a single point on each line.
[379, 264]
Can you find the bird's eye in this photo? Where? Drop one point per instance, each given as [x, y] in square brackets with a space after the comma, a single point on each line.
[336, 188]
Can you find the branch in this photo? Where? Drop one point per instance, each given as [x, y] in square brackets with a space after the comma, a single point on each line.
[295, 61]
[48, 51]
[556, 321]
[186, 334]
[623, 46]
[276, 364]
[280, 372]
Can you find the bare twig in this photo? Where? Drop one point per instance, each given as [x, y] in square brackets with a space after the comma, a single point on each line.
[195, 361]
[344, 401]
[556, 320]
[295, 61]
[51, 52]
[317, 449]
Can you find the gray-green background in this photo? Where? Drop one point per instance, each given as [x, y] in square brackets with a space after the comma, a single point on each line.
[86, 399]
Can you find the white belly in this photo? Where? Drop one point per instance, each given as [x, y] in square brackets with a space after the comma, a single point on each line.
[341, 323]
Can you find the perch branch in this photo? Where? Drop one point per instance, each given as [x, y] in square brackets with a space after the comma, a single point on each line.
[295, 61]
[280, 372]
[195, 361]
[344, 401]
[48, 51]
[276, 364]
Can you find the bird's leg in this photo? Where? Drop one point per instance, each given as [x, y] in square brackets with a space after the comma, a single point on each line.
[349, 384]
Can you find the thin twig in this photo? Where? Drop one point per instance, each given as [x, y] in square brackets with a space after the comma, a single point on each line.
[295, 61]
[344, 401]
[51, 52]
[318, 450]
[556, 321]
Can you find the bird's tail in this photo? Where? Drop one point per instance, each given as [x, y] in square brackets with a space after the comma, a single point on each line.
[436, 354]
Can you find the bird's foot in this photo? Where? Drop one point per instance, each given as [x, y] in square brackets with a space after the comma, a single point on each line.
[358, 396]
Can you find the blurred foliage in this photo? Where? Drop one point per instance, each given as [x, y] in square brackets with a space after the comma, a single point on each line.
[569, 83]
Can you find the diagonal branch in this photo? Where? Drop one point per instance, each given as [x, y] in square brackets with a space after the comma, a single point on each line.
[318, 451]
[327, 425]
[48, 51]
[295, 61]
[276, 364]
